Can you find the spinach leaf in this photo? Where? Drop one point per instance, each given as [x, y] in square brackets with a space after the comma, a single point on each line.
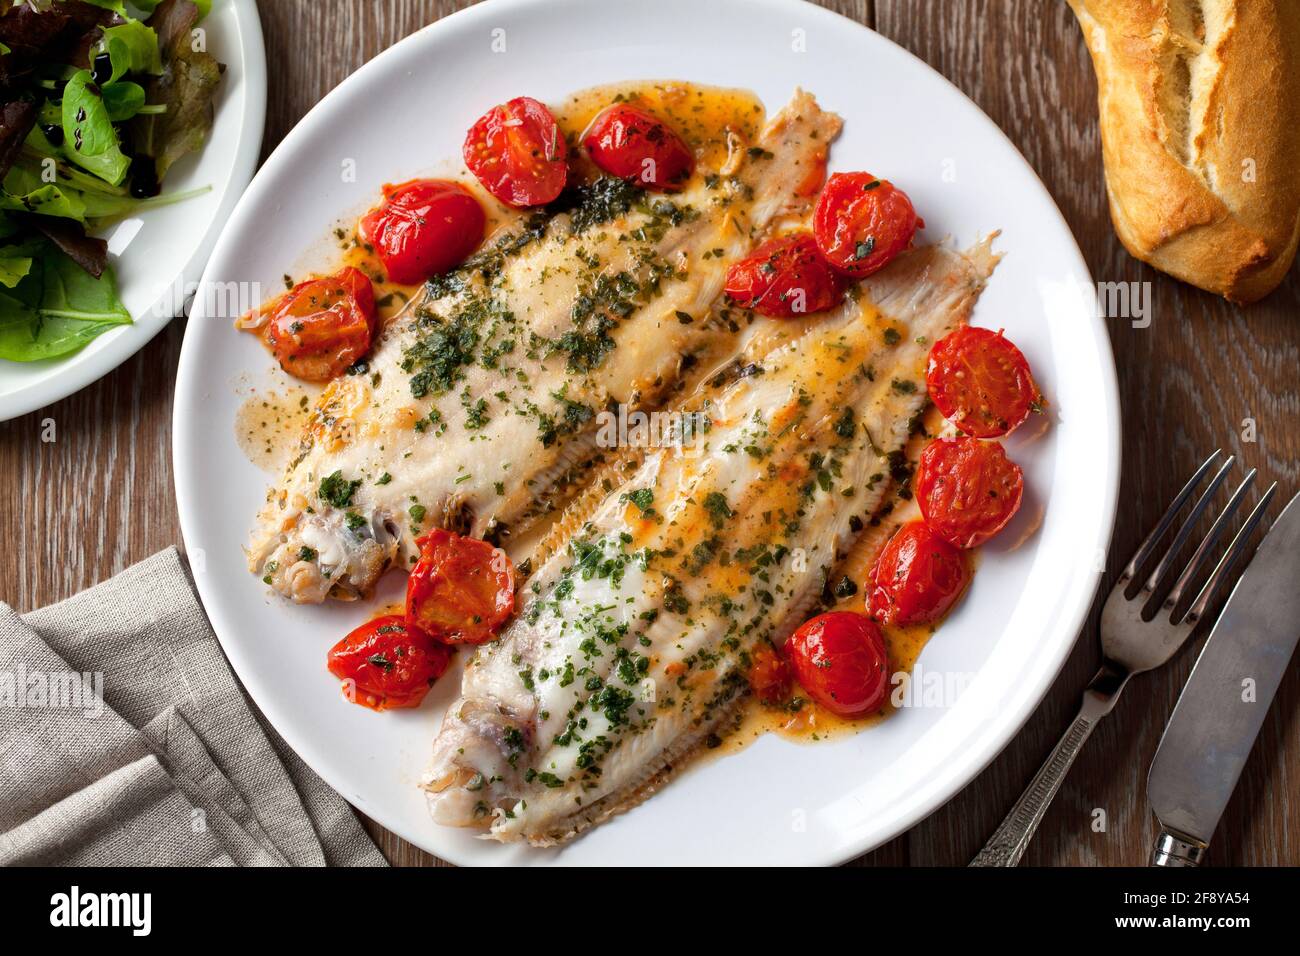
[90, 139]
[85, 118]
[72, 294]
[56, 309]
[123, 100]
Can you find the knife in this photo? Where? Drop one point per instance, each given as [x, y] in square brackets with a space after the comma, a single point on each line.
[1227, 696]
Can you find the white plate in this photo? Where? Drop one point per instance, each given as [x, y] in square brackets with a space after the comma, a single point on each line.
[159, 255]
[777, 801]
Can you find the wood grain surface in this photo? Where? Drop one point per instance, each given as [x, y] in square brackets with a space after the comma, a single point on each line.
[75, 510]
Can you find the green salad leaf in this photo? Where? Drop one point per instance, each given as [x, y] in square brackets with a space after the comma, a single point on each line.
[70, 293]
[16, 261]
[132, 47]
[123, 100]
[85, 118]
[23, 192]
[186, 88]
[54, 307]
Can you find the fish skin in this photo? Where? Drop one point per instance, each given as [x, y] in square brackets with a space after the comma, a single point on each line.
[512, 757]
[484, 479]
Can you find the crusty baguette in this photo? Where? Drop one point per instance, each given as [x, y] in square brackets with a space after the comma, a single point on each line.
[1200, 131]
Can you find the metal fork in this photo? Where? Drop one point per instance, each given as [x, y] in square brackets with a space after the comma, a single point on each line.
[1145, 620]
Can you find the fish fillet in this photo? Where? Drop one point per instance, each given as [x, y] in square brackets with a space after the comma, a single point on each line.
[631, 643]
[484, 390]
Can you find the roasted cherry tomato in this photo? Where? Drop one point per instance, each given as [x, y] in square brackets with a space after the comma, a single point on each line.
[917, 577]
[861, 223]
[631, 144]
[461, 590]
[980, 382]
[389, 664]
[769, 675]
[320, 327]
[967, 489]
[424, 227]
[518, 153]
[839, 659]
[784, 277]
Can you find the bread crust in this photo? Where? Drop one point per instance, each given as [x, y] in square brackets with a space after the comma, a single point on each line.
[1200, 127]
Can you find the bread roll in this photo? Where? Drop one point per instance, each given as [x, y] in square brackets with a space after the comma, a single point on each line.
[1200, 131]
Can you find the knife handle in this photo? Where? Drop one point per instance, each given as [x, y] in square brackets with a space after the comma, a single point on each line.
[1174, 850]
[1008, 844]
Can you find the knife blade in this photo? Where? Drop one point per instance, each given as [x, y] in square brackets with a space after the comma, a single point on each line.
[1221, 709]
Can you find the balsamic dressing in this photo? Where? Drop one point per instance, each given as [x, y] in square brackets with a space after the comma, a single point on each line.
[144, 178]
[102, 71]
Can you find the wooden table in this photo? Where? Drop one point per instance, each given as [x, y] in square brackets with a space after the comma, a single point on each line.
[79, 509]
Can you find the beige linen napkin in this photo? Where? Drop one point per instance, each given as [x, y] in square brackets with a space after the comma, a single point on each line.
[126, 740]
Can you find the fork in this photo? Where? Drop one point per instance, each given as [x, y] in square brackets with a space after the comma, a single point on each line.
[1144, 622]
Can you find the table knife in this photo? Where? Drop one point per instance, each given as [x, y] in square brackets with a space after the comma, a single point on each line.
[1220, 711]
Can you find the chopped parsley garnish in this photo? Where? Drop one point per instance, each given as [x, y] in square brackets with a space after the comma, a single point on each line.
[444, 347]
[338, 491]
[643, 498]
[599, 202]
[715, 503]
[614, 702]
[844, 424]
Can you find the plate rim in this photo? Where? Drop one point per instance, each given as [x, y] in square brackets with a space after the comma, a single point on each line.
[132, 338]
[968, 767]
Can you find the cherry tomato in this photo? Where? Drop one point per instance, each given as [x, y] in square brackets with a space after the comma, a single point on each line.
[320, 327]
[518, 153]
[390, 664]
[784, 277]
[769, 675]
[980, 382]
[839, 659]
[424, 227]
[967, 489]
[633, 145]
[917, 577]
[461, 590]
[862, 223]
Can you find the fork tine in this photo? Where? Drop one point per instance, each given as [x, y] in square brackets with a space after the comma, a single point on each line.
[1159, 579]
[1224, 568]
[1202, 554]
[1147, 548]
